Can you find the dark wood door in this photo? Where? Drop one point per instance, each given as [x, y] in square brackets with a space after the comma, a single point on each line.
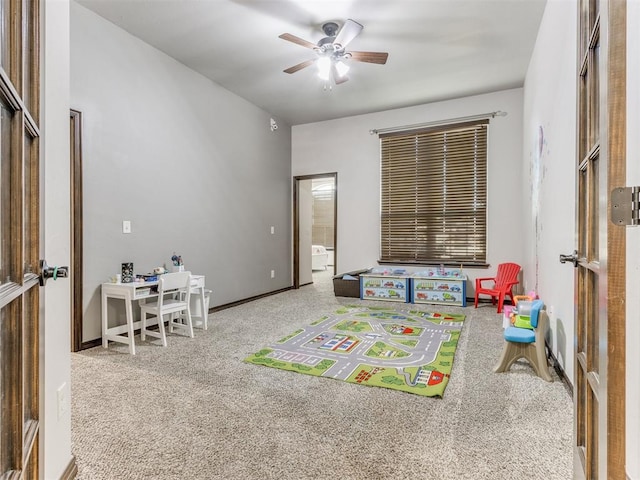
[600, 285]
[20, 238]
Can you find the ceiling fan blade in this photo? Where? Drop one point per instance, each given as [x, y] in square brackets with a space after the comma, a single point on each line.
[348, 32]
[370, 57]
[299, 66]
[292, 38]
[337, 78]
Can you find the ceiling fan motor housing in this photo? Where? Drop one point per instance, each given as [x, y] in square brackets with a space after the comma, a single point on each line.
[330, 29]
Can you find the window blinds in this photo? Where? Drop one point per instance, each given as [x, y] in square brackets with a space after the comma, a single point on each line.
[434, 195]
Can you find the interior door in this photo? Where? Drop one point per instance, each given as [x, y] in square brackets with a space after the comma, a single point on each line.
[19, 235]
[599, 390]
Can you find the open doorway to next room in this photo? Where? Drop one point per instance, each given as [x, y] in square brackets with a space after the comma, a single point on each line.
[315, 227]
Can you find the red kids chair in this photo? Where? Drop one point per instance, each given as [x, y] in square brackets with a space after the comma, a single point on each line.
[503, 282]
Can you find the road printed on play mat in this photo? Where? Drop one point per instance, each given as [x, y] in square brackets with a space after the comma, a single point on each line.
[389, 347]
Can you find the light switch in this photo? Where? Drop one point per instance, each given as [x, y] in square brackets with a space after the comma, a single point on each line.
[273, 230]
[126, 226]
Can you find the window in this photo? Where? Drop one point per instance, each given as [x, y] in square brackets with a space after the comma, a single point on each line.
[434, 195]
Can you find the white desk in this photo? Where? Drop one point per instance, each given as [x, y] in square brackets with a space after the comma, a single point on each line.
[129, 292]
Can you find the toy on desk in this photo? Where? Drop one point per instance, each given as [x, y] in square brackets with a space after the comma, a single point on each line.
[147, 277]
[127, 275]
[178, 266]
[177, 260]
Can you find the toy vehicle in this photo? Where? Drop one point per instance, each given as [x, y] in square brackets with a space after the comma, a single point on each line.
[421, 296]
[455, 288]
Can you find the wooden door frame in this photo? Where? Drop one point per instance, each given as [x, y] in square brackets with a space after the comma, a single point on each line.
[296, 222]
[616, 114]
[76, 266]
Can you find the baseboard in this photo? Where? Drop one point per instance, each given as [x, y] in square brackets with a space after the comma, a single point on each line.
[247, 300]
[560, 371]
[484, 300]
[71, 471]
[90, 344]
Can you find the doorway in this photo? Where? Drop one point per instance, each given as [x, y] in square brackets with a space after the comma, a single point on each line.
[315, 231]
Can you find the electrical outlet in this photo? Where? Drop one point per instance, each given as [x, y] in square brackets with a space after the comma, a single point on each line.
[126, 226]
[273, 274]
[63, 400]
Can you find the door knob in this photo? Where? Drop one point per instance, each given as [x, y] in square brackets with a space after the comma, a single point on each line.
[47, 272]
[573, 258]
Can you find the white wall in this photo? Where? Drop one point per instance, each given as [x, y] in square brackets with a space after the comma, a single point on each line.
[195, 168]
[633, 241]
[55, 339]
[548, 184]
[346, 147]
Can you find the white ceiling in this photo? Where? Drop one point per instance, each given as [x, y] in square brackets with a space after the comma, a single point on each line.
[438, 49]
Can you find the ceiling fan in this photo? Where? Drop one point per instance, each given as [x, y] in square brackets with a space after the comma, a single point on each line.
[331, 53]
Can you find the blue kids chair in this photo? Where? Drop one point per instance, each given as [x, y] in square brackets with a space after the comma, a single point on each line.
[527, 341]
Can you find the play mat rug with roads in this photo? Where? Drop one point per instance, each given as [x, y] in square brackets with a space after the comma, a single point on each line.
[387, 347]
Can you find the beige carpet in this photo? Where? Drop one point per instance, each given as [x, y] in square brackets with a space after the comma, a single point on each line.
[194, 410]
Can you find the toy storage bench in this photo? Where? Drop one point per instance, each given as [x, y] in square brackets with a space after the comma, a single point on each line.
[392, 288]
[439, 286]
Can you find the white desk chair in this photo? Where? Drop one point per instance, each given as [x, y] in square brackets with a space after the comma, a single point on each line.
[200, 308]
[174, 292]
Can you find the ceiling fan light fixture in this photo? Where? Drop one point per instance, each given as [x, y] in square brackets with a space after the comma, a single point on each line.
[342, 68]
[324, 68]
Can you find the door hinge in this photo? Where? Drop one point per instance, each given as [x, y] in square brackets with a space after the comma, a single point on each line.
[625, 206]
